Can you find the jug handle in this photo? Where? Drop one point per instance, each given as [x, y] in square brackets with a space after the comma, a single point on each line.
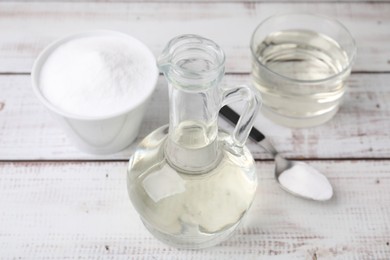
[252, 100]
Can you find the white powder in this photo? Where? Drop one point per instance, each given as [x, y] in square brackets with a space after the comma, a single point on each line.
[306, 181]
[99, 75]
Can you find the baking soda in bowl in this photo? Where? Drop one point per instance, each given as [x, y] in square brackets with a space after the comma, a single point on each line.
[97, 76]
[98, 85]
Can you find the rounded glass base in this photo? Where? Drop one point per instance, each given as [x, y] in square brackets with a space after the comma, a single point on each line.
[191, 241]
[188, 210]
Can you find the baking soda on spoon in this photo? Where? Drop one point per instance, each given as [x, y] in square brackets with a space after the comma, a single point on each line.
[306, 181]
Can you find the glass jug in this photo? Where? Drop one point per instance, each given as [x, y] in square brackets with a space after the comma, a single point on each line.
[191, 183]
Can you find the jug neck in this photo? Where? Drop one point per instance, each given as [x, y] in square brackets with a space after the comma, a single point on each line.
[193, 67]
[192, 144]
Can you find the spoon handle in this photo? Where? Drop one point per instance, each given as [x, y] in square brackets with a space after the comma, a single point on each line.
[233, 117]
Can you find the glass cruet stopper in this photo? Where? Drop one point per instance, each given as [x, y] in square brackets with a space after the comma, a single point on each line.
[190, 183]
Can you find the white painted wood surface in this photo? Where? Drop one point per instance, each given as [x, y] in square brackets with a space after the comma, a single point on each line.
[70, 210]
[209, 1]
[26, 28]
[54, 208]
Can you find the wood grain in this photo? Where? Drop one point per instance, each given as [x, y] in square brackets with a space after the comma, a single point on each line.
[209, 1]
[359, 130]
[70, 210]
[26, 28]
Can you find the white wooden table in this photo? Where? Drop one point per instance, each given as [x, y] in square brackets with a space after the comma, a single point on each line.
[57, 202]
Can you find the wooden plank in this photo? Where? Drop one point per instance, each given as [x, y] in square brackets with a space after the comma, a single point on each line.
[359, 130]
[81, 210]
[209, 1]
[26, 28]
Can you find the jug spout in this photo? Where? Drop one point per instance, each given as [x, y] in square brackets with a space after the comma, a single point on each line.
[164, 62]
[195, 61]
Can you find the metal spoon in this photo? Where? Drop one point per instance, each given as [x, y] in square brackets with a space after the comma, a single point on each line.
[297, 178]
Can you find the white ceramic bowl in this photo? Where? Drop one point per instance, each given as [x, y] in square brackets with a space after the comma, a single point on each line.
[98, 135]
